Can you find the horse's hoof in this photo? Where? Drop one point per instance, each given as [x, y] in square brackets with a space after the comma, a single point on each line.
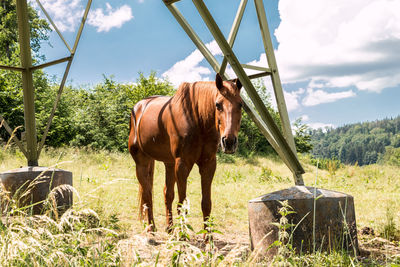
[169, 229]
[150, 229]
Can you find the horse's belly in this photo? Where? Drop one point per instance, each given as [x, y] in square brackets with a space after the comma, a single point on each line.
[157, 148]
[153, 139]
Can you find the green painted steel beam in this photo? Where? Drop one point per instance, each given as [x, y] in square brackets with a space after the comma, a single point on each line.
[11, 68]
[27, 82]
[54, 25]
[79, 34]
[276, 81]
[51, 63]
[248, 107]
[169, 2]
[57, 100]
[241, 74]
[247, 66]
[64, 79]
[4, 123]
[234, 31]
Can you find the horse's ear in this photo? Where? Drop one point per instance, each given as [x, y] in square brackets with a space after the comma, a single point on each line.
[238, 84]
[218, 81]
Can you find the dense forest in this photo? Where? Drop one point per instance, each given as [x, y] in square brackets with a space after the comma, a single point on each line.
[360, 143]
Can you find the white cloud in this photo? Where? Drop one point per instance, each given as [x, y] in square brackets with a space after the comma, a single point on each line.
[189, 69]
[304, 117]
[320, 125]
[292, 99]
[339, 42]
[316, 97]
[68, 14]
[110, 18]
[65, 14]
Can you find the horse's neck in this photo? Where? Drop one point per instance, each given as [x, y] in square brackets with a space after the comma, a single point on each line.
[199, 98]
[206, 108]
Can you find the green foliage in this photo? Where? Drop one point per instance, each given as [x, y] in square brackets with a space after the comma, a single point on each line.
[39, 30]
[268, 176]
[101, 116]
[362, 143]
[391, 156]
[330, 165]
[302, 137]
[251, 139]
[77, 238]
[11, 99]
[390, 230]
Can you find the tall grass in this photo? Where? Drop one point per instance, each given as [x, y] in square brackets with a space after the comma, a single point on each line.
[105, 229]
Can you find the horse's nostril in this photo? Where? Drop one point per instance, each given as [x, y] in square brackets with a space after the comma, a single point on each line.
[224, 141]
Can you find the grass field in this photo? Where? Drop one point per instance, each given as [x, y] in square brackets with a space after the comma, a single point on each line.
[106, 183]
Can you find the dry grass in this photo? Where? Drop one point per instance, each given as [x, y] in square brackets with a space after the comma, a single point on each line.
[107, 185]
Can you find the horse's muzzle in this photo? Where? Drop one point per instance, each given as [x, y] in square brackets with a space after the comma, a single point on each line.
[229, 144]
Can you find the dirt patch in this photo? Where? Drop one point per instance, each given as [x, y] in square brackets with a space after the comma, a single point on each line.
[157, 247]
[378, 249]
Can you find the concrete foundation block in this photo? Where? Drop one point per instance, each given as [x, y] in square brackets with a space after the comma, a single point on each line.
[38, 182]
[335, 221]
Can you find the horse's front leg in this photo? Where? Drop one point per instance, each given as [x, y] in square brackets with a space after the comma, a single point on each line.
[207, 170]
[182, 170]
[169, 193]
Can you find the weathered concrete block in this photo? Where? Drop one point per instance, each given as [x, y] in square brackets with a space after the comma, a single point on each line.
[335, 221]
[39, 181]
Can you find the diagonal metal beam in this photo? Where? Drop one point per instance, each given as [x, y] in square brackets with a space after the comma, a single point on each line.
[248, 107]
[54, 25]
[241, 74]
[64, 79]
[84, 17]
[234, 31]
[53, 111]
[4, 123]
[276, 80]
[51, 63]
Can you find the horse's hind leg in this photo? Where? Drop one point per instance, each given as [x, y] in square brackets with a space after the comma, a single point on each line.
[145, 174]
[169, 193]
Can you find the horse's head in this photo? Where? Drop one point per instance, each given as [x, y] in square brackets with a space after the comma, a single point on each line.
[228, 113]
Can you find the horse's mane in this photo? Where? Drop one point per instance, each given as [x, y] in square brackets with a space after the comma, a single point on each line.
[198, 99]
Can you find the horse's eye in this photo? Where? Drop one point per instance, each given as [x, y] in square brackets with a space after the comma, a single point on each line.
[219, 106]
[240, 105]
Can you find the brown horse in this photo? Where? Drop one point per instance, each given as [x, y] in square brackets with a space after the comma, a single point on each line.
[181, 131]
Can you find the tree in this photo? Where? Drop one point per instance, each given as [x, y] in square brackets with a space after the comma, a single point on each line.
[302, 137]
[102, 115]
[11, 98]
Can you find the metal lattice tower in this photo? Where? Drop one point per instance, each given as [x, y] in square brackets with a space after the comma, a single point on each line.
[33, 148]
[283, 143]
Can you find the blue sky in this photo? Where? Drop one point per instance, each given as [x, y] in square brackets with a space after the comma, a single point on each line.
[339, 60]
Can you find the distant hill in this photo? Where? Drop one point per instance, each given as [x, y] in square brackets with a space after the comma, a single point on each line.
[362, 143]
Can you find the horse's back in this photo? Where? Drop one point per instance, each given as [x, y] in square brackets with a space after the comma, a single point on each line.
[148, 133]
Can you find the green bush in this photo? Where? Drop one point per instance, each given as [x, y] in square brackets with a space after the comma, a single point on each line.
[101, 116]
[391, 156]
